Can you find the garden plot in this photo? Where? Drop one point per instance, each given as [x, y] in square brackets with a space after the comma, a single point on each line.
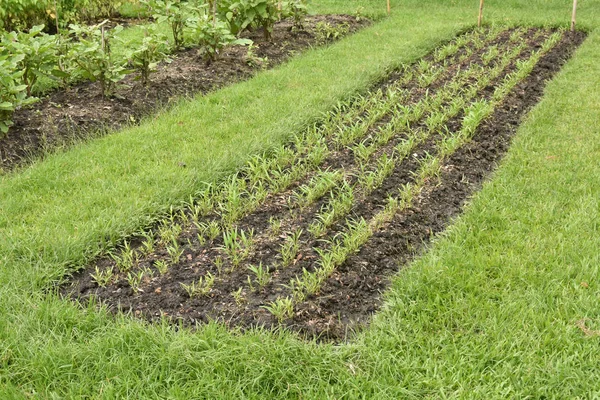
[69, 115]
[309, 235]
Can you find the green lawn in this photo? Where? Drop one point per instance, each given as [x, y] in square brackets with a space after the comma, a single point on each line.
[491, 311]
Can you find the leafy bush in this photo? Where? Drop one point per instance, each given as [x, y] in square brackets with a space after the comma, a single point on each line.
[36, 51]
[91, 54]
[212, 36]
[175, 13]
[24, 14]
[13, 93]
[241, 14]
[145, 57]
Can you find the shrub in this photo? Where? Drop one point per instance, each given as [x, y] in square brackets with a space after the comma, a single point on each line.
[145, 57]
[212, 36]
[92, 56]
[13, 93]
[37, 51]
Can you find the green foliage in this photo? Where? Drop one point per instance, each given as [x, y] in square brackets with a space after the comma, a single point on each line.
[37, 53]
[212, 36]
[241, 14]
[13, 93]
[91, 53]
[173, 12]
[145, 57]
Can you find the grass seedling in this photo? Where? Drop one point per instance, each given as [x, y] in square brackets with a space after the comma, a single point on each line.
[175, 251]
[148, 243]
[237, 245]
[238, 296]
[161, 266]
[339, 206]
[102, 278]
[282, 309]
[275, 226]
[135, 280]
[127, 259]
[219, 264]
[201, 287]
[289, 249]
[168, 233]
[262, 276]
[319, 185]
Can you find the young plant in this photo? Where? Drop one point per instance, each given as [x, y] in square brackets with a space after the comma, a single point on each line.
[135, 280]
[175, 252]
[275, 226]
[91, 52]
[262, 276]
[148, 244]
[145, 57]
[127, 259]
[282, 308]
[103, 277]
[201, 287]
[319, 185]
[339, 206]
[161, 266]
[289, 249]
[238, 296]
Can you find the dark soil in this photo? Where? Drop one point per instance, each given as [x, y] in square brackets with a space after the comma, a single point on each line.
[67, 116]
[353, 293]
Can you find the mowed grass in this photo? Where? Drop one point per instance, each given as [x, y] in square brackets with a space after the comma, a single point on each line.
[493, 310]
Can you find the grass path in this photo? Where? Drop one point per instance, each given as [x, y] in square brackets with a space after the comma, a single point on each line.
[494, 310]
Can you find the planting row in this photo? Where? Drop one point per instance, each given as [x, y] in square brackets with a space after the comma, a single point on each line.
[267, 246]
[84, 52]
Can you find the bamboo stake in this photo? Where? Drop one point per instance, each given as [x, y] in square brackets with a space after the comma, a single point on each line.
[574, 16]
[480, 19]
[389, 7]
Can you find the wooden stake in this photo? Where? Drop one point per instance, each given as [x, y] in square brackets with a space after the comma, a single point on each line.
[389, 7]
[480, 19]
[574, 16]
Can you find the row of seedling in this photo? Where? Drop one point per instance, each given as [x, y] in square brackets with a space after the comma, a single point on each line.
[336, 251]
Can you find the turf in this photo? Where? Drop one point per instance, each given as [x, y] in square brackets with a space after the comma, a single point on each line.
[503, 305]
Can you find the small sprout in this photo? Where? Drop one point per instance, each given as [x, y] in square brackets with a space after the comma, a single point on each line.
[219, 264]
[238, 296]
[275, 225]
[201, 287]
[127, 259]
[262, 275]
[175, 252]
[102, 278]
[168, 233]
[289, 249]
[148, 243]
[282, 309]
[161, 266]
[135, 280]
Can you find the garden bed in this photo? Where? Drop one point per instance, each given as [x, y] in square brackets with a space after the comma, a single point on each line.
[80, 112]
[309, 236]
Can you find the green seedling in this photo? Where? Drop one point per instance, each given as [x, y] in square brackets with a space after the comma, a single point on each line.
[238, 296]
[135, 280]
[282, 309]
[289, 249]
[127, 259]
[103, 277]
[161, 266]
[275, 226]
[201, 287]
[175, 252]
[262, 276]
